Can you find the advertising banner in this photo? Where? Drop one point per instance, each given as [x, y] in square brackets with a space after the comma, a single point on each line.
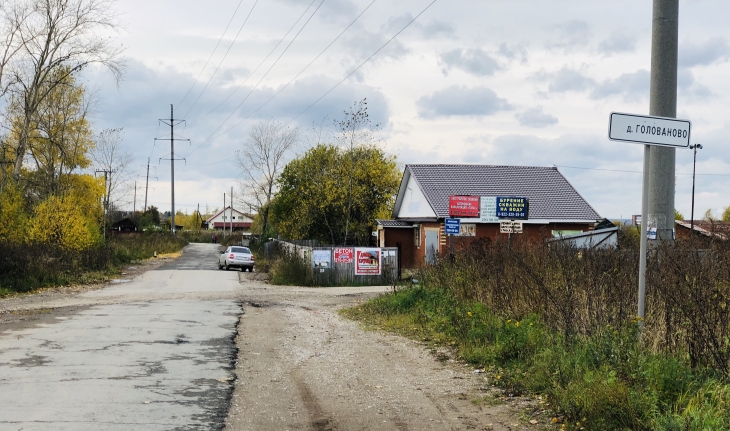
[467, 229]
[464, 206]
[344, 255]
[367, 261]
[322, 258]
[487, 211]
[512, 207]
[452, 226]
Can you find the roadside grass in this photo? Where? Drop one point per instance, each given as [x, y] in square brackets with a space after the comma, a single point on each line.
[29, 267]
[607, 380]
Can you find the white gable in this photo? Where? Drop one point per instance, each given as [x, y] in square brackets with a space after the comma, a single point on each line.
[225, 216]
[414, 203]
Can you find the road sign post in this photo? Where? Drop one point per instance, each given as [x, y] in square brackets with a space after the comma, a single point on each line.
[650, 131]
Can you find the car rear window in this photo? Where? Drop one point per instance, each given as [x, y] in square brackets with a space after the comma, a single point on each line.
[240, 250]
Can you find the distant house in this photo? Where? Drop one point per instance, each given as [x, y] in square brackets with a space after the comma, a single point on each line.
[223, 219]
[708, 229]
[422, 204]
[125, 225]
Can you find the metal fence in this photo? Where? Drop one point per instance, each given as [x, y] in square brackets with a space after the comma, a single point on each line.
[339, 265]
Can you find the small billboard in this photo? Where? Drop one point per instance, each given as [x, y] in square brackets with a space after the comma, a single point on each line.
[464, 206]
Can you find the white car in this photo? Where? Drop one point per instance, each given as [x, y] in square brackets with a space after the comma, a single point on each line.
[236, 257]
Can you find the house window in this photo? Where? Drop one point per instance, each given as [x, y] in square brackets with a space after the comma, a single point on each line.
[417, 236]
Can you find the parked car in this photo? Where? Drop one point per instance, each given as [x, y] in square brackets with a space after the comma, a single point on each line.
[236, 257]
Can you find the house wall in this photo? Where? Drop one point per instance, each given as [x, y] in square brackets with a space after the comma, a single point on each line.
[532, 232]
[226, 217]
[402, 238]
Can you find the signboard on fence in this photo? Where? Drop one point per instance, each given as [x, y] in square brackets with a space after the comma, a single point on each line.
[464, 206]
[344, 255]
[367, 261]
[322, 258]
[512, 207]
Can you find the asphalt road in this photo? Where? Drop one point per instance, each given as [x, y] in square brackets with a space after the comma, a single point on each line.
[154, 353]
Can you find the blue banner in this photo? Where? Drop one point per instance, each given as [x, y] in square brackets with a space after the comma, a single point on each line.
[512, 208]
[452, 226]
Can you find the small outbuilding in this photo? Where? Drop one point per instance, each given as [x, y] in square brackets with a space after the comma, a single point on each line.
[417, 228]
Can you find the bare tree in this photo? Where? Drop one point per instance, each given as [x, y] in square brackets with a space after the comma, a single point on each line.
[261, 160]
[354, 130]
[65, 35]
[109, 158]
[13, 16]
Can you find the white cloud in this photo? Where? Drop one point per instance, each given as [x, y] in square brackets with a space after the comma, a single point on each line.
[461, 101]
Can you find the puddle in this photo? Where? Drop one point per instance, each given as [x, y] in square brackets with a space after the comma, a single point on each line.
[120, 280]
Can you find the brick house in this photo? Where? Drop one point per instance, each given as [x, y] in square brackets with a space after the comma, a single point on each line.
[422, 204]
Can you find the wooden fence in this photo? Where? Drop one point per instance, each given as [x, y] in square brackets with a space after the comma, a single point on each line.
[345, 270]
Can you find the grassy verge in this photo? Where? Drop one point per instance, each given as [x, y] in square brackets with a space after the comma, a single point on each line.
[24, 268]
[606, 380]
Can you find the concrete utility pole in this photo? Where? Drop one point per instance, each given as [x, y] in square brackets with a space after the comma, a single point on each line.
[657, 208]
[172, 122]
[231, 210]
[663, 103]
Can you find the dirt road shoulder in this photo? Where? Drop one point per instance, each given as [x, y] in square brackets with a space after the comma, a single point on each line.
[302, 366]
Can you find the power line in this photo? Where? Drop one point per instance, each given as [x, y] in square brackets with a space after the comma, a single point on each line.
[260, 64]
[336, 85]
[361, 64]
[635, 172]
[263, 77]
[303, 70]
[211, 54]
[223, 59]
[271, 67]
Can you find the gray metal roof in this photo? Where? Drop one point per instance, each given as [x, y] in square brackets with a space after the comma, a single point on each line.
[551, 196]
[394, 223]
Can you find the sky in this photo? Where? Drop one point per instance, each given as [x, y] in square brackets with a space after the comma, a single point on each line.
[492, 82]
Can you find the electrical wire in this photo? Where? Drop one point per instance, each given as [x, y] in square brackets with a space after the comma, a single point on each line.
[636, 172]
[260, 64]
[336, 85]
[223, 59]
[361, 64]
[211, 54]
[260, 80]
[303, 70]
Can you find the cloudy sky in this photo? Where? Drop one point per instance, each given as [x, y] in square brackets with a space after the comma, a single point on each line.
[495, 82]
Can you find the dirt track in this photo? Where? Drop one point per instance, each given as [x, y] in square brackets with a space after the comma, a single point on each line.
[303, 367]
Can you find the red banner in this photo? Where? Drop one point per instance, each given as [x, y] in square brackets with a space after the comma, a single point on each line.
[464, 206]
[343, 255]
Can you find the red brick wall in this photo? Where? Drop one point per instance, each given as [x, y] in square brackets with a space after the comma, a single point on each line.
[533, 232]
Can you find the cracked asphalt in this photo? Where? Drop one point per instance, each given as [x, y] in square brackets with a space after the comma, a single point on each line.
[155, 352]
[177, 344]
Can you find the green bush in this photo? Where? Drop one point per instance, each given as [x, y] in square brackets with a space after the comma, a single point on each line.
[603, 381]
[290, 270]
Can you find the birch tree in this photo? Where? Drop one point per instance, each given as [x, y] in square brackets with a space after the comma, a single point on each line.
[261, 161]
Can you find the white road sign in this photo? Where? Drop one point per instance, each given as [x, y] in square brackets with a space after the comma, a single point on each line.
[643, 129]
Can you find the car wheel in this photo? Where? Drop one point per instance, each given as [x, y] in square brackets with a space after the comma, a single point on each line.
[227, 267]
[219, 265]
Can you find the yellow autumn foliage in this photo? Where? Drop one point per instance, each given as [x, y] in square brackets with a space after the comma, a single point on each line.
[13, 217]
[71, 220]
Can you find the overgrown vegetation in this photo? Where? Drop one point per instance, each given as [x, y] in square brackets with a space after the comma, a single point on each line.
[25, 267]
[561, 322]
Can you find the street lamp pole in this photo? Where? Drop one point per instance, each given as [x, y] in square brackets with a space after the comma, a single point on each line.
[695, 147]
